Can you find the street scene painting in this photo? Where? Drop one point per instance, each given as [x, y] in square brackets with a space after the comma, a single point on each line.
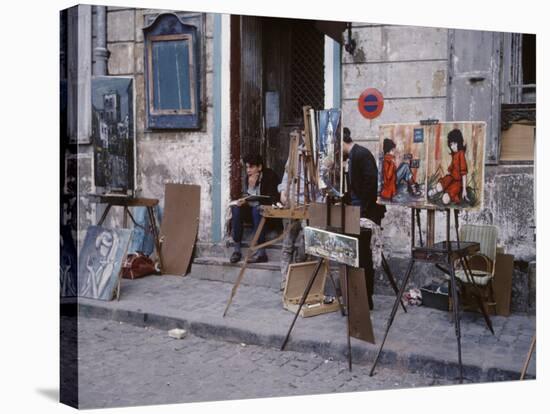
[456, 160]
[113, 133]
[101, 260]
[330, 151]
[332, 246]
[402, 161]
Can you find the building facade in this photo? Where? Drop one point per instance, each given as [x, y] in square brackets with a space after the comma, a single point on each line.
[249, 78]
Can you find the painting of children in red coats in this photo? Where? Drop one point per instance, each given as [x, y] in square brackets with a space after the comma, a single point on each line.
[402, 165]
[455, 165]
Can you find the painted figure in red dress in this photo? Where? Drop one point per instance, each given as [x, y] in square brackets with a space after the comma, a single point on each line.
[453, 185]
[392, 176]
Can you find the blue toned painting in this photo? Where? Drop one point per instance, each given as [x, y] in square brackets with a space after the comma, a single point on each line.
[100, 261]
[329, 142]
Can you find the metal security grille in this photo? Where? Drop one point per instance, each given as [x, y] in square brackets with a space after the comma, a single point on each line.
[307, 68]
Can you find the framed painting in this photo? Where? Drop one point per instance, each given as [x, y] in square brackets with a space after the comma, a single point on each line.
[329, 145]
[332, 246]
[402, 164]
[113, 134]
[456, 160]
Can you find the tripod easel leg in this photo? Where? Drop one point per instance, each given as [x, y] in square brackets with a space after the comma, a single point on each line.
[529, 355]
[337, 293]
[303, 300]
[456, 315]
[346, 276]
[393, 312]
[245, 264]
[393, 283]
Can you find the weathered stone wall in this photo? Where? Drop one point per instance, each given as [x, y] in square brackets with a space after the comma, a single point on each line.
[409, 66]
[164, 156]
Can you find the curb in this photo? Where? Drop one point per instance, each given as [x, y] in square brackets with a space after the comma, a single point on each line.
[337, 350]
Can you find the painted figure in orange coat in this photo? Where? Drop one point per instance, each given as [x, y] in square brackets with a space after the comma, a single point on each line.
[453, 185]
[393, 176]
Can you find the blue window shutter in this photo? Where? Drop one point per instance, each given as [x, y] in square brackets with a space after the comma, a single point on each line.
[172, 62]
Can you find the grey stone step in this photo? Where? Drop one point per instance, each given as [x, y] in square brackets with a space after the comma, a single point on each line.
[219, 269]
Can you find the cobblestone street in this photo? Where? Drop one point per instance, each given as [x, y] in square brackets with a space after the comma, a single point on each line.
[122, 365]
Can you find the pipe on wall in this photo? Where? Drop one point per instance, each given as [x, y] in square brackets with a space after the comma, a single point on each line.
[101, 54]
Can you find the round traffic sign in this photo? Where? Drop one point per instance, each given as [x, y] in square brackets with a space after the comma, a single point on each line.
[371, 103]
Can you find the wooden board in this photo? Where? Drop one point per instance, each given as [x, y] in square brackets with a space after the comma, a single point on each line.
[179, 228]
[360, 322]
[297, 278]
[518, 143]
[502, 284]
[298, 213]
[318, 217]
[314, 309]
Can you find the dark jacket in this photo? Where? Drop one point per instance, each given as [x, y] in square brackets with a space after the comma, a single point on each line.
[363, 179]
[268, 185]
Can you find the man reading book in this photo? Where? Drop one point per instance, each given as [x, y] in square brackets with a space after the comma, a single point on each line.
[259, 187]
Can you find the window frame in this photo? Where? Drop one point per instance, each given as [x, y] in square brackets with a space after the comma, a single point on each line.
[169, 27]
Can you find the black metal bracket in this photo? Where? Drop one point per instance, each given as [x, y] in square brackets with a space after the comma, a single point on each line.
[429, 121]
[350, 44]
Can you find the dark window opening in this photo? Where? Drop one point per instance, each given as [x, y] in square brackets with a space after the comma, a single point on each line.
[529, 67]
[307, 69]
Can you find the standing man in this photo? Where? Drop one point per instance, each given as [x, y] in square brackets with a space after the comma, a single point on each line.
[258, 182]
[363, 186]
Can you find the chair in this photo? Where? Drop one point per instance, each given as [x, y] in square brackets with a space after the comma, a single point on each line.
[478, 285]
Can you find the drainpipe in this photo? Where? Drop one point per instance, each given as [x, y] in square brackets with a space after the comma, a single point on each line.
[101, 54]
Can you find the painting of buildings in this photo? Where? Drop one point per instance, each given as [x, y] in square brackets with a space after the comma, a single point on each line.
[332, 246]
[113, 134]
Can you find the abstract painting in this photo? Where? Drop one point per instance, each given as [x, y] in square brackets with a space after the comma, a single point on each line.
[113, 133]
[402, 164]
[330, 152]
[101, 260]
[332, 246]
[456, 160]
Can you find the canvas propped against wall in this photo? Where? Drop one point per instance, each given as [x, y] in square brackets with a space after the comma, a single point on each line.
[439, 165]
[100, 261]
[113, 134]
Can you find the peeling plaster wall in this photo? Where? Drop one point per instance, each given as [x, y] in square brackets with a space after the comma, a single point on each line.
[409, 66]
[164, 156]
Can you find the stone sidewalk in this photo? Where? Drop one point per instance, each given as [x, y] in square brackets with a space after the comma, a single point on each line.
[422, 340]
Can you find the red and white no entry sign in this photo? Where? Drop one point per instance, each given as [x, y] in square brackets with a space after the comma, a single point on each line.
[371, 103]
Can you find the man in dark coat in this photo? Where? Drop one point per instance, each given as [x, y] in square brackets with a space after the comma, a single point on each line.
[363, 186]
[258, 183]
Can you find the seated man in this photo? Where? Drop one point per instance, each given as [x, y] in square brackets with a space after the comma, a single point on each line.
[259, 187]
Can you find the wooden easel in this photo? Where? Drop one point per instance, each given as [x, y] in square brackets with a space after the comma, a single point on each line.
[314, 274]
[441, 254]
[297, 160]
[127, 202]
[528, 358]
